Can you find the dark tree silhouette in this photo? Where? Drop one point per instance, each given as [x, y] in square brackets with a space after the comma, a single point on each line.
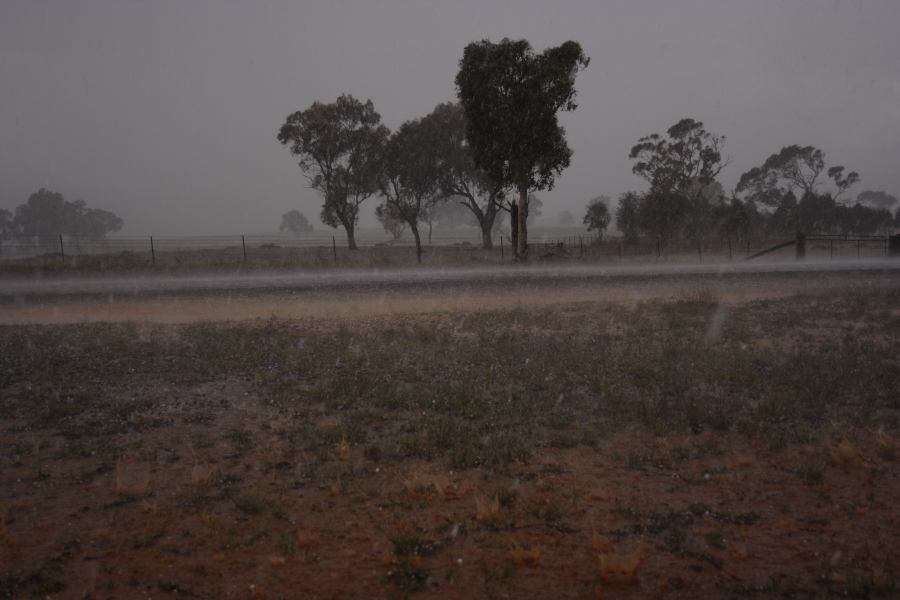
[597, 216]
[511, 97]
[340, 147]
[793, 169]
[460, 180]
[409, 179]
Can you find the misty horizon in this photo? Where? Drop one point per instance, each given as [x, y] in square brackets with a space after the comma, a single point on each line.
[167, 114]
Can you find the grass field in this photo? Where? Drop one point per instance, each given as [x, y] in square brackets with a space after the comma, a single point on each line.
[684, 447]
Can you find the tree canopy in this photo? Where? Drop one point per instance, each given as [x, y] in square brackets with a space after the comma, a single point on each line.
[686, 156]
[793, 168]
[461, 181]
[340, 147]
[597, 216]
[409, 179]
[47, 214]
[511, 97]
[681, 168]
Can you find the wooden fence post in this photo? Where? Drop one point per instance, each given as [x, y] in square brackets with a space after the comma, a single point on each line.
[801, 246]
[244, 247]
[334, 248]
[62, 250]
[501, 247]
[152, 252]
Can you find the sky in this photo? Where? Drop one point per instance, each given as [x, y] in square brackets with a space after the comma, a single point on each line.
[166, 112]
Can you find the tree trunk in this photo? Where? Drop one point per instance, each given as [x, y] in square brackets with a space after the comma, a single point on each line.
[351, 236]
[514, 228]
[415, 231]
[522, 249]
[487, 228]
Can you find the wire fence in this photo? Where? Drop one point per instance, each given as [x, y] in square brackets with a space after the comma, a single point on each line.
[324, 248]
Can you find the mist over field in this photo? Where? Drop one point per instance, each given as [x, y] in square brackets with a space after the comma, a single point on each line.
[166, 113]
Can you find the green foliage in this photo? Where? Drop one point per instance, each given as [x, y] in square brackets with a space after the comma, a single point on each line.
[340, 147]
[511, 97]
[409, 180]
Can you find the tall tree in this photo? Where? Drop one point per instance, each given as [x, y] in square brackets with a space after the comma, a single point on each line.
[460, 179]
[293, 221]
[679, 166]
[409, 178]
[793, 169]
[511, 97]
[340, 147]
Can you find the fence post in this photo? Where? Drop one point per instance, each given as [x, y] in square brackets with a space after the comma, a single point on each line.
[244, 247]
[581, 246]
[730, 256]
[858, 244]
[501, 247]
[152, 252]
[830, 248]
[801, 246]
[334, 248]
[62, 250]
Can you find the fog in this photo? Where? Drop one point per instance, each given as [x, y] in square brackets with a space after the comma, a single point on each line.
[166, 112]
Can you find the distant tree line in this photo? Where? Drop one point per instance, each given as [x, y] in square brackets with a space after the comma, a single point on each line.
[784, 195]
[47, 214]
[502, 141]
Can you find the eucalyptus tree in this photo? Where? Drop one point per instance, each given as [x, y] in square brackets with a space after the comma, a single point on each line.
[460, 180]
[795, 169]
[680, 167]
[409, 180]
[340, 147]
[511, 97]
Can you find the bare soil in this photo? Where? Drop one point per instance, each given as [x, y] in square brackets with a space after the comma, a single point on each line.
[683, 443]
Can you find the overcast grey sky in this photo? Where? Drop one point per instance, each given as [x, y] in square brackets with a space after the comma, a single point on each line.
[166, 111]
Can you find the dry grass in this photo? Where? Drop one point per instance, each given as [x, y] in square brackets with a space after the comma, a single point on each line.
[572, 450]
